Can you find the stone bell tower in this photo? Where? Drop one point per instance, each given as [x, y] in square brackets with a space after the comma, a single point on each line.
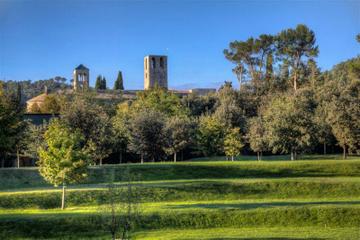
[81, 78]
[155, 72]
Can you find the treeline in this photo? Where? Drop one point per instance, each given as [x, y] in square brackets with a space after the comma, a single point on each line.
[285, 105]
[30, 89]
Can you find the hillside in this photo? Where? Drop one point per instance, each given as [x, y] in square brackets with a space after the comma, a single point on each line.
[317, 198]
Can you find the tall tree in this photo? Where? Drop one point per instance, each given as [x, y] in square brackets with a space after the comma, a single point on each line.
[63, 161]
[228, 108]
[98, 82]
[119, 83]
[294, 45]
[250, 57]
[103, 83]
[11, 124]
[343, 115]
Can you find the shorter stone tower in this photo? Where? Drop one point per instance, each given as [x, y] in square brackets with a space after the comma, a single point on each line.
[81, 78]
[155, 72]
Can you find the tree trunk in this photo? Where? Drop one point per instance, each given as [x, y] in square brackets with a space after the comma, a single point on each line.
[324, 148]
[344, 152]
[175, 157]
[100, 161]
[232, 158]
[295, 155]
[18, 157]
[261, 155]
[142, 158]
[63, 197]
[258, 156]
[120, 156]
[292, 155]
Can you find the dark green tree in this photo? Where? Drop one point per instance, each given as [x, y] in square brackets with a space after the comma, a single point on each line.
[83, 115]
[179, 134]
[98, 82]
[147, 135]
[119, 83]
[293, 45]
[103, 83]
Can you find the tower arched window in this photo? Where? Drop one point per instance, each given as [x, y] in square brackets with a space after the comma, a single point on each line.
[153, 63]
[162, 62]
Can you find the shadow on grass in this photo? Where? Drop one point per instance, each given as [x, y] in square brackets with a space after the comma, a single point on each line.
[261, 205]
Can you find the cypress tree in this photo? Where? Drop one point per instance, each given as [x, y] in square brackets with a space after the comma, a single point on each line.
[103, 83]
[98, 82]
[119, 84]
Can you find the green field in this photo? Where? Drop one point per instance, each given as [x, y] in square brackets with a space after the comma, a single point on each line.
[314, 198]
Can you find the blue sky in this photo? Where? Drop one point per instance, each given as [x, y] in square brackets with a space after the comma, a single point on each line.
[41, 39]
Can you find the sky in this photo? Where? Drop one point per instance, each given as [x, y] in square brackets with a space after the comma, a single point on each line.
[41, 39]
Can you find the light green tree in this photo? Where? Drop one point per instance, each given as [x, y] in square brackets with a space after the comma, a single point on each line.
[233, 143]
[257, 136]
[210, 135]
[63, 161]
[289, 123]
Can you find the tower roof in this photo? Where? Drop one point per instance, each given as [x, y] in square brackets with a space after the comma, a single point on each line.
[81, 67]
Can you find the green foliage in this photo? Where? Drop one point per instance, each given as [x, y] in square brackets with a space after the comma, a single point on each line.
[233, 143]
[210, 136]
[35, 108]
[52, 104]
[228, 109]
[257, 135]
[289, 122]
[119, 83]
[294, 45]
[160, 100]
[11, 124]
[83, 115]
[179, 132]
[147, 134]
[63, 161]
[100, 83]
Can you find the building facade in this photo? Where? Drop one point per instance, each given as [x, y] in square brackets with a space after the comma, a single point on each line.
[155, 72]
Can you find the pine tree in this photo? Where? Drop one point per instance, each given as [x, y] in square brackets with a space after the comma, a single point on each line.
[103, 83]
[119, 84]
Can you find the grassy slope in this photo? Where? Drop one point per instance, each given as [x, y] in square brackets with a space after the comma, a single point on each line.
[310, 195]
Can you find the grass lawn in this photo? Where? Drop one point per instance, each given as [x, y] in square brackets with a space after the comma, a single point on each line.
[314, 198]
[279, 233]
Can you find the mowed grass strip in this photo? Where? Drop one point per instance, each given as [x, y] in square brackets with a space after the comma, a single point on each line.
[165, 191]
[29, 177]
[279, 233]
[73, 224]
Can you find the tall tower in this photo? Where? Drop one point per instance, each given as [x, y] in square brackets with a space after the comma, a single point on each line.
[81, 78]
[155, 72]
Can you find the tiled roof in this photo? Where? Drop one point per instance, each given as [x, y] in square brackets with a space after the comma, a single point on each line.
[39, 98]
[81, 67]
